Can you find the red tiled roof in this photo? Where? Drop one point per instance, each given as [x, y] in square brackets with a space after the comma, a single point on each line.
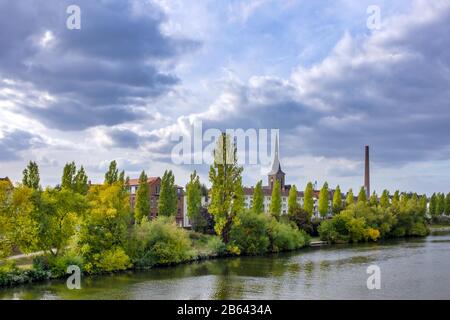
[135, 182]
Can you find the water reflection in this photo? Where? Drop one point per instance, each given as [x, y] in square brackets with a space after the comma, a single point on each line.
[414, 268]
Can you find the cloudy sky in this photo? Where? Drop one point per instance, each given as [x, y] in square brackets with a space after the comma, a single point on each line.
[139, 71]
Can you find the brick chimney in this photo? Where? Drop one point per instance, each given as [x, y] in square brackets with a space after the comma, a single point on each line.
[367, 173]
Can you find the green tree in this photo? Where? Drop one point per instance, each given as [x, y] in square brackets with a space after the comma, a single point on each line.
[362, 195]
[239, 197]
[350, 198]
[225, 178]
[167, 204]
[423, 204]
[396, 198]
[432, 205]
[194, 202]
[81, 185]
[112, 175]
[104, 231]
[142, 206]
[440, 204]
[323, 200]
[447, 204]
[292, 200]
[275, 202]
[31, 177]
[68, 177]
[373, 201]
[258, 199]
[337, 200]
[384, 199]
[308, 201]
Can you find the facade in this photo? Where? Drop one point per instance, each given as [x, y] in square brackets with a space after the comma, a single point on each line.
[154, 184]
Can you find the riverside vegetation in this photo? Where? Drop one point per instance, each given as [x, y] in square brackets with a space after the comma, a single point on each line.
[93, 226]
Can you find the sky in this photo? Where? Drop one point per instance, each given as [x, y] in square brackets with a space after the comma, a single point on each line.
[138, 72]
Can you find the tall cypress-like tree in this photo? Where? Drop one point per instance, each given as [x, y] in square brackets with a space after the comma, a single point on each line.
[350, 198]
[292, 200]
[432, 205]
[31, 177]
[112, 175]
[142, 206]
[308, 201]
[225, 177]
[447, 204]
[323, 200]
[337, 200]
[396, 198]
[194, 201]
[440, 203]
[373, 201]
[362, 195]
[258, 198]
[68, 177]
[167, 204]
[423, 204]
[275, 203]
[81, 182]
[384, 200]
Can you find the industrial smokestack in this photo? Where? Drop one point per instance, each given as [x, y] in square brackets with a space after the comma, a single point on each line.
[367, 173]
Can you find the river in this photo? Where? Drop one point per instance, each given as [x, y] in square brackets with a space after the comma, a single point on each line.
[409, 269]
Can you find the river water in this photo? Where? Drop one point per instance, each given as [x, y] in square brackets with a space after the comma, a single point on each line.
[409, 269]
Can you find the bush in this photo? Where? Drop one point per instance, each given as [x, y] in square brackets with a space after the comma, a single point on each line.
[58, 265]
[419, 230]
[285, 236]
[248, 234]
[216, 246]
[161, 242]
[113, 260]
[302, 220]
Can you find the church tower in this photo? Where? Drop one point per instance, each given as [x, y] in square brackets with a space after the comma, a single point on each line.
[276, 173]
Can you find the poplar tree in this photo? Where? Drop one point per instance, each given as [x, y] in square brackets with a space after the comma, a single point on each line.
[31, 177]
[68, 177]
[225, 178]
[323, 200]
[440, 203]
[396, 198]
[308, 201]
[275, 203]
[194, 201]
[292, 200]
[384, 199]
[81, 185]
[432, 206]
[142, 206]
[239, 197]
[362, 195]
[258, 199]
[167, 204]
[423, 204]
[337, 200]
[112, 175]
[447, 204]
[373, 201]
[350, 198]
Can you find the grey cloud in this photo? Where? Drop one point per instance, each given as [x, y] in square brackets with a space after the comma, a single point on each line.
[97, 72]
[15, 141]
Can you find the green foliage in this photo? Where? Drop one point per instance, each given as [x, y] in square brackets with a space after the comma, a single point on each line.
[258, 198]
[301, 219]
[226, 181]
[396, 198]
[362, 197]
[194, 205]
[160, 242]
[275, 203]
[337, 200]
[285, 236]
[142, 206]
[308, 201]
[249, 233]
[167, 203]
[112, 175]
[31, 177]
[216, 246]
[67, 180]
[103, 232]
[373, 201]
[292, 200]
[432, 205]
[440, 204]
[323, 200]
[80, 182]
[447, 204]
[350, 198]
[384, 199]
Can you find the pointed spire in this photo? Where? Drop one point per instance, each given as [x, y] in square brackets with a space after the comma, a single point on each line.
[276, 165]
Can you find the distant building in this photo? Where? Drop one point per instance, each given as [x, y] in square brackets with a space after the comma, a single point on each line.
[154, 184]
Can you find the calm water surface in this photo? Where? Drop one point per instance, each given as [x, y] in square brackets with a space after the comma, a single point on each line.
[410, 269]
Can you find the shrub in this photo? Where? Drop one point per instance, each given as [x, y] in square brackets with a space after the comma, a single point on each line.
[58, 265]
[285, 236]
[419, 229]
[301, 219]
[161, 242]
[216, 246]
[327, 231]
[249, 233]
[113, 260]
